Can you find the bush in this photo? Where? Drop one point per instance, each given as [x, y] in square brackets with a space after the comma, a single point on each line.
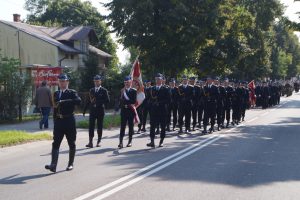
[108, 122]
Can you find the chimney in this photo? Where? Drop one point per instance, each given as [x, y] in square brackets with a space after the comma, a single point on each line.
[17, 17]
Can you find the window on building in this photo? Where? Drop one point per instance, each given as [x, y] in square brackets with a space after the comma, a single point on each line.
[84, 45]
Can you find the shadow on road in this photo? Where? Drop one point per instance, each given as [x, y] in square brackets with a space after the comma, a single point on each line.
[252, 155]
[14, 179]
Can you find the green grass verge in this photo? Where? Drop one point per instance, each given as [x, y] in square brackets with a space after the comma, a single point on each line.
[25, 118]
[108, 122]
[11, 137]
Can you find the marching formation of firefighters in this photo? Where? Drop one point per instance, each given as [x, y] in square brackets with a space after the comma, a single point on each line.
[206, 105]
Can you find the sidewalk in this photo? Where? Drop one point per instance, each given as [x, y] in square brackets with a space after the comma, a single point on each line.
[33, 126]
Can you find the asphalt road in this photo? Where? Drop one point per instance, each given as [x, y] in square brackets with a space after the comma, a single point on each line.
[260, 159]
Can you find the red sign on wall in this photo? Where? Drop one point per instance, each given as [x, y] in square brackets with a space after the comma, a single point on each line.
[49, 74]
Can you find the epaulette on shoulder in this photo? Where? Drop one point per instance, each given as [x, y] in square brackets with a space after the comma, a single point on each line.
[104, 89]
[71, 90]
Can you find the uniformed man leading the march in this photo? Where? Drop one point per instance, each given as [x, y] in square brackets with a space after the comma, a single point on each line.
[98, 97]
[64, 101]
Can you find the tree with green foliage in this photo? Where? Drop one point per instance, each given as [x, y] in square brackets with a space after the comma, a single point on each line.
[285, 52]
[14, 89]
[167, 33]
[89, 72]
[229, 38]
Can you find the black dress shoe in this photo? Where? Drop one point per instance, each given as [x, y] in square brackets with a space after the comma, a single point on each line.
[219, 128]
[204, 132]
[129, 144]
[211, 130]
[161, 145]
[120, 146]
[69, 168]
[98, 142]
[151, 144]
[52, 168]
[143, 130]
[89, 145]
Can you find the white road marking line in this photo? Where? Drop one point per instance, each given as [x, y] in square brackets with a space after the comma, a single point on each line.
[251, 120]
[240, 125]
[118, 181]
[139, 178]
[264, 114]
[230, 130]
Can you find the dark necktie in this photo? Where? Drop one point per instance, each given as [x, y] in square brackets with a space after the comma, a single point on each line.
[60, 94]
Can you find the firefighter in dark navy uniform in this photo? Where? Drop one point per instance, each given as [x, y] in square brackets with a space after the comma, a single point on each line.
[127, 102]
[195, 100]
[98, 97]
[64, 101]
[147, 105]
[228, 101]
[185, 94]
[220, 103]
[245, 101]
[211, 93]
[173, 113]
[201, 103]
[160, 97]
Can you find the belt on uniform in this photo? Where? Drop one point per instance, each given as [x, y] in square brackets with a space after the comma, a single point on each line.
[211, 100]
[59, 116]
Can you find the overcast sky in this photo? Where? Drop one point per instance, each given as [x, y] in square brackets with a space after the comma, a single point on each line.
[9, 7]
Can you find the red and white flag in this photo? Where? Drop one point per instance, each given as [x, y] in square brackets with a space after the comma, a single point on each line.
[137, 82]
[252, 96]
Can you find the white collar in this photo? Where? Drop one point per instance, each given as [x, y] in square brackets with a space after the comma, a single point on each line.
[97, 88]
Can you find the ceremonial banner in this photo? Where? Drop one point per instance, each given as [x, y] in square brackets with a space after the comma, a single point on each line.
[137, 82]
[252, 96]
